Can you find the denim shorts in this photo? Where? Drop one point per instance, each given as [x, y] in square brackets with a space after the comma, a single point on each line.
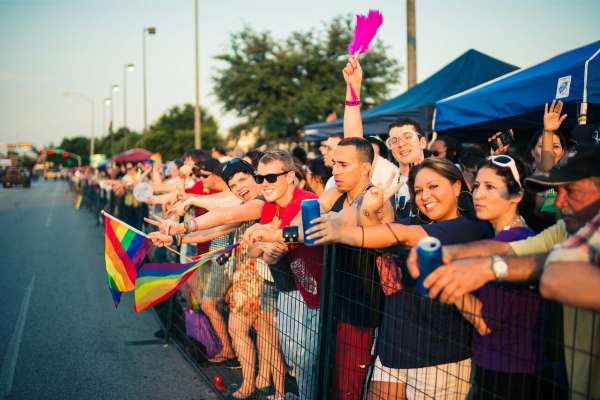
[268, 301]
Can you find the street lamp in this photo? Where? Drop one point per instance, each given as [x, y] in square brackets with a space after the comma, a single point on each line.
[113, 89]
[151, 30]
[92, 106]
[126, 68]
[197, 126]
[106, 102]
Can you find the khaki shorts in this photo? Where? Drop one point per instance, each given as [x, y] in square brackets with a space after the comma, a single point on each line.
[441, 382]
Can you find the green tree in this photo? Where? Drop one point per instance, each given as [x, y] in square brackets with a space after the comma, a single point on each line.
[280, 86]
[173, 133]
[79, 145]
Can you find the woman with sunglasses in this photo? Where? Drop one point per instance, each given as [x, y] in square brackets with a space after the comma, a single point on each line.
[423, 347]
[506, 360]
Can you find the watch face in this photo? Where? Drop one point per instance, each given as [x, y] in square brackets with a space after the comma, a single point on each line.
[500, 268]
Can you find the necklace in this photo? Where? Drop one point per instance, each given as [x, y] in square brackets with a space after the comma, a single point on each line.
[518, 221]
[350, 203]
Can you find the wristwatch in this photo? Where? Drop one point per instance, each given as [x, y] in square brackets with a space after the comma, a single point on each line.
[499, 267]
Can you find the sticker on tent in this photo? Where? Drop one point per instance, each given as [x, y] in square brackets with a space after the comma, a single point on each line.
[563, 87]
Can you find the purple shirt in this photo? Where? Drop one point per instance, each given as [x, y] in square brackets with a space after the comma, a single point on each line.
[512, 312]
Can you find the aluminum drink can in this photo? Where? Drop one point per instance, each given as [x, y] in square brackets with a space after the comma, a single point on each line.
[429, 257]
[310, 210]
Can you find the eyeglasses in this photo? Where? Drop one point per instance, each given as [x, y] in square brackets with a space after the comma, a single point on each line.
[405, 137]
[204, 175]
[271, 178]
[507, 162]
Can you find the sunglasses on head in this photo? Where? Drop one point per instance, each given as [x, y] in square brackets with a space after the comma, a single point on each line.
[271, 178]
[504, 161]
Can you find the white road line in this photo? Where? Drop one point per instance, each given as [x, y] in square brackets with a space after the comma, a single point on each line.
[49, 219]
[10, 361]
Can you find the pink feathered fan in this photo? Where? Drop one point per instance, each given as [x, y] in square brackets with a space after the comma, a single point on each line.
[366, 28]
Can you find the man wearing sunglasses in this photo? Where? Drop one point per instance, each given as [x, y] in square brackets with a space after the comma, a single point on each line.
[552, 257]
[356, 294]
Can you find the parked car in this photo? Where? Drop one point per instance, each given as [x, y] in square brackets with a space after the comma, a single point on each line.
[17, 176]
[51, 173]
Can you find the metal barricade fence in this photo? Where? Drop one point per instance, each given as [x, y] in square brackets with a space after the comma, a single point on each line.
[374, 336]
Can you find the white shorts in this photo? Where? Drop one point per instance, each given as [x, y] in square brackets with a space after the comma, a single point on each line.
[445, 381]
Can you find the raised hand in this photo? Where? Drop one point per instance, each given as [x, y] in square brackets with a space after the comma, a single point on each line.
[501, 148]
[552, 117]
[353, 73]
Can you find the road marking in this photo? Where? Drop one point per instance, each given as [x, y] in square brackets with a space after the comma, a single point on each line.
[49, 219]
[10, 361]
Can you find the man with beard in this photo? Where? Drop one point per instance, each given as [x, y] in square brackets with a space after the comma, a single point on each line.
[572, 242]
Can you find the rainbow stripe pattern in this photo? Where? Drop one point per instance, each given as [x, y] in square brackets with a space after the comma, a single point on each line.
[77, 202]
[157, 282]
[124, 251]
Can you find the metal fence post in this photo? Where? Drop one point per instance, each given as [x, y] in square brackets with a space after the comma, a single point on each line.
[326, 324]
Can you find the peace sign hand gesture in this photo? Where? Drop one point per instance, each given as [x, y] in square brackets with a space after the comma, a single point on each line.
[164, 225]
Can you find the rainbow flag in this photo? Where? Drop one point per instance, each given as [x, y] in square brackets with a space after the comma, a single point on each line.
[77, 202]
[157, 282]
[124, 251]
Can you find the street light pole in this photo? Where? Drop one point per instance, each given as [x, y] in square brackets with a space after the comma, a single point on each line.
[113, 88]
[197, 126]
[92, 120]
[126, 68]
[151, 31]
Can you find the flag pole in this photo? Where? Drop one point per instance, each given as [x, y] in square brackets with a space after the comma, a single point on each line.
[135, 230]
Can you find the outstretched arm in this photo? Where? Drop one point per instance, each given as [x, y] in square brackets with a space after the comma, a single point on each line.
[227, 215]
[352, 118]
[574, 283]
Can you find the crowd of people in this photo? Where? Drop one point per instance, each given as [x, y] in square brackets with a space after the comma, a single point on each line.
[510, 314]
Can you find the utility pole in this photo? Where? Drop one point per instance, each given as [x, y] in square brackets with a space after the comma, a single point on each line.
[197, 127]
[411, 43]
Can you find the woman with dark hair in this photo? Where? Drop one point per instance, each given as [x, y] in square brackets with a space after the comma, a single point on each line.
[544, 214]
[508, 358]
[559, 148]
[317, 175]
[424, 347]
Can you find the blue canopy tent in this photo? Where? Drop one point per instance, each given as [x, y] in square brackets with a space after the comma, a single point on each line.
[468, 70]
[516, 100]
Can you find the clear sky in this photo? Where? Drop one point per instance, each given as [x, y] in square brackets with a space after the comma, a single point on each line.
[48, 47]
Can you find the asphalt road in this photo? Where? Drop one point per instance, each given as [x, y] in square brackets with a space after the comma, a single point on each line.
[60, 335]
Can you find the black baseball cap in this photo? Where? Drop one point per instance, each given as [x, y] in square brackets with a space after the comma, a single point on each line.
[582, 161]
[232, 167]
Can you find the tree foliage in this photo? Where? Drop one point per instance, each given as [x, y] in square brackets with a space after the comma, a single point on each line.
[280, 86]
[171, 135]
